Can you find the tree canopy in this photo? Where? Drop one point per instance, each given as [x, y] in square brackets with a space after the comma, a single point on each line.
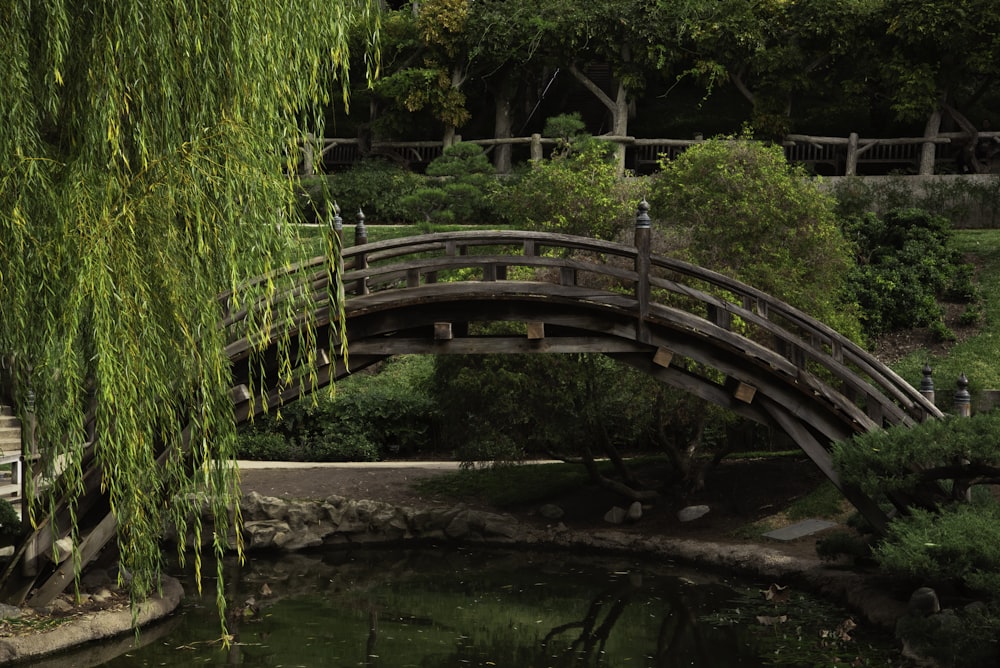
[147, 164]
[878, 65]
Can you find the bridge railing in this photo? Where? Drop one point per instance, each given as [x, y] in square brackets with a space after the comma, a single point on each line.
[805, 349]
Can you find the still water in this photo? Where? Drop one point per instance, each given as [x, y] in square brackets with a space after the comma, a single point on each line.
[450, 607]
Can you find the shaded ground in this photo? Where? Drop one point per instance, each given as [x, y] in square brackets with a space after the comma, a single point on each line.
[739, 494]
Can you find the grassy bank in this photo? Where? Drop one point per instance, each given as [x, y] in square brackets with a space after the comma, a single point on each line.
[978, 355]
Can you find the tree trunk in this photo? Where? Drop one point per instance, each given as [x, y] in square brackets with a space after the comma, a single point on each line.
[618, 108]
[970, 160]
[502, 125]
[619, 124]
[457, 79]
[928, 150]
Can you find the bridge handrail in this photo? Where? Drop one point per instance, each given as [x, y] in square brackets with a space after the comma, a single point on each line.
[800, 337]
[842, 349]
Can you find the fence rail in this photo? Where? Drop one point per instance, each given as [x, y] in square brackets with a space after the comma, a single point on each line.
[830, 156]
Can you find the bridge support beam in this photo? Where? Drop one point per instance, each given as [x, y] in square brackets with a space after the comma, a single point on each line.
[824, 461]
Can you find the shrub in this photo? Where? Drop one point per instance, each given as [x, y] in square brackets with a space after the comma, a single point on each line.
[10, 525]
[576, 192]
[265, 446]
[375, 186]
[901, 459]
[503, 407]
[960, 543]
[457, 188]
[905, 264]
[747, 213]
[371, 416]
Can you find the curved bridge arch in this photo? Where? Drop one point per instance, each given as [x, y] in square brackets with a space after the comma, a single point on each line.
[689, 327]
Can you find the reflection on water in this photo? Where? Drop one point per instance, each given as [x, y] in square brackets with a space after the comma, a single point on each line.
[432, 608]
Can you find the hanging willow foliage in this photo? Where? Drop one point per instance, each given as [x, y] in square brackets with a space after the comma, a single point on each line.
[148, 156]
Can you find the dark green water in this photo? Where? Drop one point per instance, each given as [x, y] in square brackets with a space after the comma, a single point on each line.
[429, 608]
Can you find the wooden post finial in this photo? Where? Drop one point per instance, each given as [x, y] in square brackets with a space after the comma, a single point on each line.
[963, 400]
[927, 383]
[360, 232]
[642, 220]
[338, 222]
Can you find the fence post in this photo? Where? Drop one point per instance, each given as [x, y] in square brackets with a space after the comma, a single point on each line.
[338, 225]
[927, 383]
[360, 231]
[963, 400]
[851, 167]
[536, 147]
[643, 231]
[361, 261]
[308, 168]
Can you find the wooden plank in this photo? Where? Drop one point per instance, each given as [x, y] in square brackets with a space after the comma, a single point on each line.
[379, 275]
[239, 393]
[64, 574]
[536, 331]
[695, 385]
[488, 345]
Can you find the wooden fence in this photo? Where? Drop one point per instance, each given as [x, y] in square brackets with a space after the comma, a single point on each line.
[829, 156]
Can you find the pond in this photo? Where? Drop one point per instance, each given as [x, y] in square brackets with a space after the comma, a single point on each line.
[468, 607]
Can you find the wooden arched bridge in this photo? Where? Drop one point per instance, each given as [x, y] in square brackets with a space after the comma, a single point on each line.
[687, 326]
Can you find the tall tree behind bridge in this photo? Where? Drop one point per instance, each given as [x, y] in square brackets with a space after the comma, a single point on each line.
[148, 158]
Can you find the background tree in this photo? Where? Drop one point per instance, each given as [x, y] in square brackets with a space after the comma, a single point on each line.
[941, 59]
[148, 157]
[427, 67]
[776, 54]
[458, 188]
[633, 38]
[507, 60]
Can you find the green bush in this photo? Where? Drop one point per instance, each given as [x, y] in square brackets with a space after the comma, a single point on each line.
[953, 199]
[960, 543]
[457, 188]
[371, 416]
[265, 446]
[747, 213]
[11, 527]
[375, 186]
[905, 264]
[898, 459]
[500, 408]
[576, 192]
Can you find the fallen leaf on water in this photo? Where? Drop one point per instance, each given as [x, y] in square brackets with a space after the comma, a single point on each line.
[771, 621]
[776, 593]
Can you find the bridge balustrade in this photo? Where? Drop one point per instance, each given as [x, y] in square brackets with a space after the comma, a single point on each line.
[809, 354]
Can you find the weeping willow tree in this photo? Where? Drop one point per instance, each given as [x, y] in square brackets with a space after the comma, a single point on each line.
[149, 155]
